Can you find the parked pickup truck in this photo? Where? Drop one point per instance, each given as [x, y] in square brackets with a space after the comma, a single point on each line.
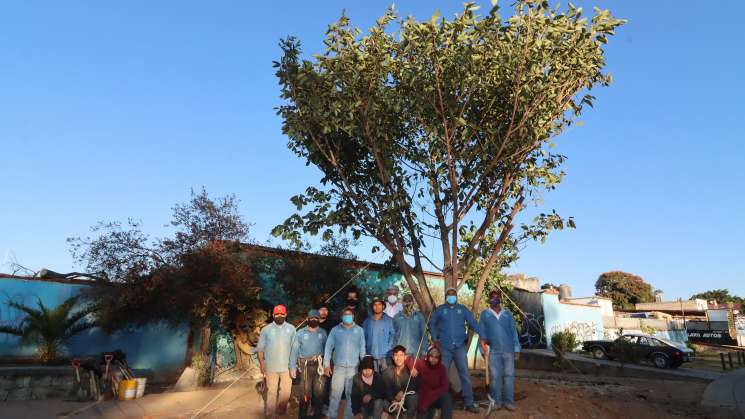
[662, 353]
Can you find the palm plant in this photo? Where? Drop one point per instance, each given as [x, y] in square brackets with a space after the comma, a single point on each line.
[49, 329]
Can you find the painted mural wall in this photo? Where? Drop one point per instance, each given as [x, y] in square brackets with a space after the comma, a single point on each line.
[586, 322]
[159, 349]
[532, 327]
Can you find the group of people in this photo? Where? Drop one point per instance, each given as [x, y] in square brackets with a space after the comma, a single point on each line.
[384, 361]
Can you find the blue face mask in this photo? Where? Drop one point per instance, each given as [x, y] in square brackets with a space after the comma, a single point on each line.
[347, 319]
[451, 299]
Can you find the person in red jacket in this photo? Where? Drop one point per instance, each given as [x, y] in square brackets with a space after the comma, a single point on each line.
[433, 385]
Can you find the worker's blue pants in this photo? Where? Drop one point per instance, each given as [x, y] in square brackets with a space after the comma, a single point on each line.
[502, 372]
[461, 363]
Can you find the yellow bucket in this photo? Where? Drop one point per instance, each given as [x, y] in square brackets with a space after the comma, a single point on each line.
[127, 389]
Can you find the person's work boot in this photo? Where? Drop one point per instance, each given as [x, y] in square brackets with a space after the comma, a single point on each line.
[472, 409]
[510, 407]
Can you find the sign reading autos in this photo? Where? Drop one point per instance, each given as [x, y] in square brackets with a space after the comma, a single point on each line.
[721, 337]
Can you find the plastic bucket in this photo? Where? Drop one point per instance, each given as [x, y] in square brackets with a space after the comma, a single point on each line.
[127, 389]
[141, 382]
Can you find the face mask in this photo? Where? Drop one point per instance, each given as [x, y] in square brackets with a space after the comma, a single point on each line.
[451, 299]
[313, 323]
[347, 319]
[495, 302]
[352, 302]
[279, 319]
[408, 308]
[392, 299]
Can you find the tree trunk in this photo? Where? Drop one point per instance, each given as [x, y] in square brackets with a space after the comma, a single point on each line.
[189, 345]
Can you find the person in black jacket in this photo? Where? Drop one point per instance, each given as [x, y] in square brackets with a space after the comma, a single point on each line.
[327, 320]
[368, 391]
[395, 379]
[354, 300]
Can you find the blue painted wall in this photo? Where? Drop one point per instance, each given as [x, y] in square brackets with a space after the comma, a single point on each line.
[159, 348]
[585, 321]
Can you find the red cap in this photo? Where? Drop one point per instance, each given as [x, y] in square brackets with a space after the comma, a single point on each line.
[279, 309]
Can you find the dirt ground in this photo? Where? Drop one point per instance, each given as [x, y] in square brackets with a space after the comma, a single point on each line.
[615, 398]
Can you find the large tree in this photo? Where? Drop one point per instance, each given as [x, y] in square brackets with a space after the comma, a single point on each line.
[196, 274]
[440, 131]
[625, 289]
[121, 250]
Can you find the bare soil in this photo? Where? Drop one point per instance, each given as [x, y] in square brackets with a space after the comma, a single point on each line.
[621, 398]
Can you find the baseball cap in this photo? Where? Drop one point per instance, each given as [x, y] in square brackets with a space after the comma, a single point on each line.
[279, 309]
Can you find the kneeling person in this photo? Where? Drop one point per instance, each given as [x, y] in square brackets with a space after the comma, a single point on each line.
[396, 378]
[433, 386]
[368, 391]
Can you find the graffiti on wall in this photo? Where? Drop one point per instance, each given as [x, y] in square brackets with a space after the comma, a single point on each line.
[532, 331]
[582, 330]
[740, 325]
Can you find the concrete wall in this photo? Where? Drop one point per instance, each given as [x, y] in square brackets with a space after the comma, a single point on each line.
[718, 315]
[668, 329]
[585, 321]
[606, 305]
[161, 349]
[684, 305]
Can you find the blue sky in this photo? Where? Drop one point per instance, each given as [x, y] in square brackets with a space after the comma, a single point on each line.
[112, 110]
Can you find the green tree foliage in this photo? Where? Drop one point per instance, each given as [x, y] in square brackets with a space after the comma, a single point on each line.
[439, 130]
[624, 289]
[562, 343]
[720, 296]
[216, 281]
[121, 250]
[49, 329]
[194, 275]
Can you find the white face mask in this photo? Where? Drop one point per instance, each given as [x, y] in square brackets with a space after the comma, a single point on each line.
[392, 299]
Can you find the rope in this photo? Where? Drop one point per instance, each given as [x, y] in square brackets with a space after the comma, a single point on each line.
[364, 268]
[416, 358]
[399, 405]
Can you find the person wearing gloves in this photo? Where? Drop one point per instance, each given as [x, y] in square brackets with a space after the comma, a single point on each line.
[307, 349]
[448, 329]
[410, 328]
[345, 346]
[273, 351]
[379, 334]
[368, 392]
[433, 384]
[500, 342]
[392, 305]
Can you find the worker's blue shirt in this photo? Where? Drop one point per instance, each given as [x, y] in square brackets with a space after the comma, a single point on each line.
[500, 333]
[409, 331]
[307, 343]
[379, 335]
[448, 325]
[345, 346]
[275, 341]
